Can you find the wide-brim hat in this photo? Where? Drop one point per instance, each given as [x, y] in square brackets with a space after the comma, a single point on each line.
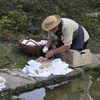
[50, 22]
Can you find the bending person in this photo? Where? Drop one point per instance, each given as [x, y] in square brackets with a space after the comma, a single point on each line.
[66, 33]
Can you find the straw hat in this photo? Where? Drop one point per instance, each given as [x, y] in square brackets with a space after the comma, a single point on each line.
[50, 22]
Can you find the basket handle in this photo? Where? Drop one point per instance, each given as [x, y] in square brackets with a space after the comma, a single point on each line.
[21, 40]
[32, 41]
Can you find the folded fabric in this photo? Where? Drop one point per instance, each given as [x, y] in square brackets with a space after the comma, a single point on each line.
[45, 49]
[42, 42]
[32, 42]
[57, 67]
[24, 41]
[34, 63]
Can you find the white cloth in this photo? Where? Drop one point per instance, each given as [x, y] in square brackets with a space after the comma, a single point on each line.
[32, 42]
[42, 42]
[57, 67]
[45, 49]
[33, 63]
[2, 84]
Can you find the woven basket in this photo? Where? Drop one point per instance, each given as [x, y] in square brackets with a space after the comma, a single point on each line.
[31, 50]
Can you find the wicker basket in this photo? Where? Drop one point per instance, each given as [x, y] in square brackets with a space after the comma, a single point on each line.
[31, 50]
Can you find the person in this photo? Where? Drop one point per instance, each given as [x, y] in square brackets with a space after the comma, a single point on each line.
[67, 33]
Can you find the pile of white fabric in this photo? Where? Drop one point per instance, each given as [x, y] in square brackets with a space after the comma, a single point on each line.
[58, 67]
[32, 42]
[2, 83]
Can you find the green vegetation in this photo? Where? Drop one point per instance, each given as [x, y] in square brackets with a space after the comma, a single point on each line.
[91, 24]
[15, 20]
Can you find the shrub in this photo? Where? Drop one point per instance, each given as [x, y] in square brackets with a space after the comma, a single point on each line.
[91, 24]
[15, 20]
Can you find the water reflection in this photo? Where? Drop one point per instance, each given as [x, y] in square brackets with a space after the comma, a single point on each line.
[95, 89]
[37, 94]
[77, 89]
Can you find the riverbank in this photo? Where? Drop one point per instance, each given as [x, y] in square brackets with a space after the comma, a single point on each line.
[17, 82]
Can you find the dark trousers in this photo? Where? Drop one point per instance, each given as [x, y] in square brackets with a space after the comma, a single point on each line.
[78, 42]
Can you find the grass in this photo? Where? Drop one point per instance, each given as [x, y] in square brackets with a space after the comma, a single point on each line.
[11, 55]
[94, 45]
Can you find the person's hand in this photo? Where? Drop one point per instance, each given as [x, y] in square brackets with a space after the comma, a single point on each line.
[49, 54]
[45, 49]
[41, 59]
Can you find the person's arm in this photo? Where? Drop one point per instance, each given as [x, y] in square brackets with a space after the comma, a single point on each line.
[46, 47]
[61, 49]
[57, 50]
[49, 43]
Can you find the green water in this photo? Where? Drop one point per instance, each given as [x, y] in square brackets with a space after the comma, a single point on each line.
[85, 88]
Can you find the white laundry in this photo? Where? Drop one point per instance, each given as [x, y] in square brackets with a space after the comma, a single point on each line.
[32, 42]
[57, 67]
[2, 84]
[45, 49]
[27, 42]
[34, 63]
[24, 41]
[42, 42]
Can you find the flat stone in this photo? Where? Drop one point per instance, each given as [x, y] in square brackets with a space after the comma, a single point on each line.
[15, 81]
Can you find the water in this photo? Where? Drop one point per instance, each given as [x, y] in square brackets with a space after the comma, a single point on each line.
[37, 94]
[84, 88]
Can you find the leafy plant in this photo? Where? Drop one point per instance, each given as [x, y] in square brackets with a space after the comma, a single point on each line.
[91, 24]
[15, 20]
